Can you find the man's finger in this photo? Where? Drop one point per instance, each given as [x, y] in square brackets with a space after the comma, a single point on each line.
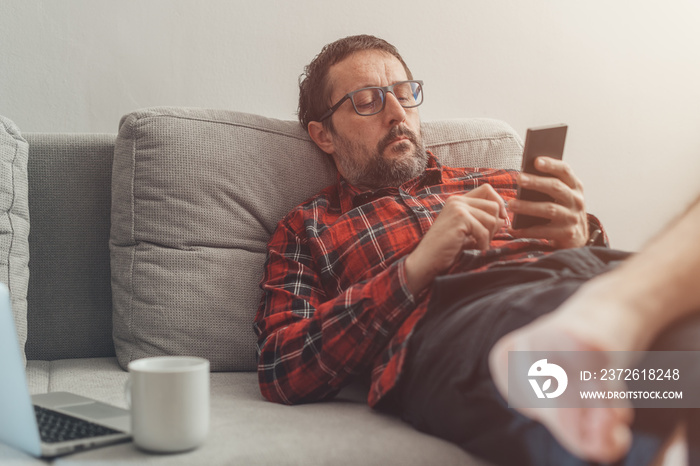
[481, 235]
[491, 222]
[491, 208]
[560, 170]
[553, 187]
[486, 192]
[548, 210]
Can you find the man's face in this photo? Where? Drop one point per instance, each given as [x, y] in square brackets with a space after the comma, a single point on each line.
[380, 150]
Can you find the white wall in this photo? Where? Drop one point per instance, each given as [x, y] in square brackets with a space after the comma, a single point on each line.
[624, 74]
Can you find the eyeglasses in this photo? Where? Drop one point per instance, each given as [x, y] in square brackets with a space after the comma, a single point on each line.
[371, 100]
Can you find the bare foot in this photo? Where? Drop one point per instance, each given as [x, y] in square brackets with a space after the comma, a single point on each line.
[584, 323]
[624, 310]
[593, 433]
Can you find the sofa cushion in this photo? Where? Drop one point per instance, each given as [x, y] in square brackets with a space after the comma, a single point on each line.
[69, 281]
[14, 222]
[247, 430]
[196, 195]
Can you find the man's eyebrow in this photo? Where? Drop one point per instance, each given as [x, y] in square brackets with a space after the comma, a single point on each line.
[367, 84]
[356, 89]
[376, 85]
[360, 87]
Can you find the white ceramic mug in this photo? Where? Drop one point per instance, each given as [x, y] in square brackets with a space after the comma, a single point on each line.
[169, 397]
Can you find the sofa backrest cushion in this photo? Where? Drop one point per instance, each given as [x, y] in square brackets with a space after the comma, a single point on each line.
[14, 222]
[69, 299]
[196, 195]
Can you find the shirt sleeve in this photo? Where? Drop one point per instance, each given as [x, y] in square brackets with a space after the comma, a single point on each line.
[596, 233]
[310, 345]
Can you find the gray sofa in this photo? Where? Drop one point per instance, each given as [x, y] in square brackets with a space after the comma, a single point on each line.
[151, 241]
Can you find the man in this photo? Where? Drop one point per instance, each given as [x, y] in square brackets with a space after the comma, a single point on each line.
[405, 263]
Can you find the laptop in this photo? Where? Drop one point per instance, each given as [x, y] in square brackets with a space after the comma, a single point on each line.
[49, 424]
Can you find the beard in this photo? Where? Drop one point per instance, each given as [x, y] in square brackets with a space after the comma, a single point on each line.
[369, 169]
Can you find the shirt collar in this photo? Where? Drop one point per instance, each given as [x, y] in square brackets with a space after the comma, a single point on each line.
[352, 196]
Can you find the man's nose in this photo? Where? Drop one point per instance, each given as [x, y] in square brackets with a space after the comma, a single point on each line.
[393, 109]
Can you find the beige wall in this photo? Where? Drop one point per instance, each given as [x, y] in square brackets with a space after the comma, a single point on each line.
[623, 74]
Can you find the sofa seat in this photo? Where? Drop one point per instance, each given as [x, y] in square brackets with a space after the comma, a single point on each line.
[246, 429]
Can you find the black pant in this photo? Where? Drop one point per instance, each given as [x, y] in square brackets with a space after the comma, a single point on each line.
[447, 389]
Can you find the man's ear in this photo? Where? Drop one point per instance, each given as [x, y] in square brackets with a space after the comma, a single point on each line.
[321, 136]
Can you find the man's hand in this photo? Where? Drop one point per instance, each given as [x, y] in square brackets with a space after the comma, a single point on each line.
[569, 223]
[467, 221]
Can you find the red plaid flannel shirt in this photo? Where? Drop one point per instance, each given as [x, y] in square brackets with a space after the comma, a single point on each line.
[335, 303]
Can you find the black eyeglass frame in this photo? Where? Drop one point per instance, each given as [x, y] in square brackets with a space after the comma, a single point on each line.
[384, 89]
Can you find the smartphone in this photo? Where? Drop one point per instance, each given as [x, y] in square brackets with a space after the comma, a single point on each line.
[546, 141]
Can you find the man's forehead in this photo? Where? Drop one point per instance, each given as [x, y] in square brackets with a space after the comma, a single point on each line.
[365, 68]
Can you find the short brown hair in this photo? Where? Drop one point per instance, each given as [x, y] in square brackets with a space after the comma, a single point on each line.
[314, 92]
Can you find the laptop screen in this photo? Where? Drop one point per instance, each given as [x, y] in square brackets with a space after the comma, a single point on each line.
[18, 427]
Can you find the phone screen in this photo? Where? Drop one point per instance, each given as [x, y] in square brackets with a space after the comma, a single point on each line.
[546, 141]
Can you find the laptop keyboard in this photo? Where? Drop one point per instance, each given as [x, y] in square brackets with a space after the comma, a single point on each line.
[58, 427]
